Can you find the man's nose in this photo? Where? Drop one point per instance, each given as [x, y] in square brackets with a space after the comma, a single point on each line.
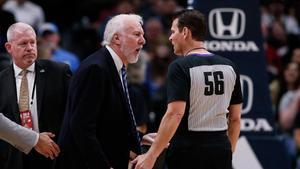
[142, 40]
[30, 46]
[170, 38]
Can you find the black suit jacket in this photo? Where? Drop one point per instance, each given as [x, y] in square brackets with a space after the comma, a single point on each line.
[52, 80]
[96, 128]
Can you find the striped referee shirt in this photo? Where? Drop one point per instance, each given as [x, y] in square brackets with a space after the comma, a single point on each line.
[209, 84]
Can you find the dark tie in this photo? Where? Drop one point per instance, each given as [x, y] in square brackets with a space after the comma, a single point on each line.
[133, 126]
[25, 114]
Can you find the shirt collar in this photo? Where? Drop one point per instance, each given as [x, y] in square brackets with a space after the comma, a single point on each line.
[18, 70]
[116, 58]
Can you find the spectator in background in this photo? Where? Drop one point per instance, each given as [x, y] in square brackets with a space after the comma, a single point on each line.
[289, 80]
[49, 39]
[26, 11]
[287, 114]
[7, 19]
[277, 10]
[281, 33]
[289, 107]
[289, 122]
[277, 48]
[288, 101]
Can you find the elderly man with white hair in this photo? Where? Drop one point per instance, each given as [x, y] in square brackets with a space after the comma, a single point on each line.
[99, 129]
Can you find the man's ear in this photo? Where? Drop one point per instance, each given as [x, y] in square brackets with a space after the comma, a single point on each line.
[8, 47]
[186, 32]
[116, 38]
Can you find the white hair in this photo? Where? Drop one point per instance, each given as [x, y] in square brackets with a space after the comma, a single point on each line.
[17, 27]
[116, 24]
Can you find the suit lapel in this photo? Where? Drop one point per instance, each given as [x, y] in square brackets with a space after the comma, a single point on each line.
[40, 79]
[116, 76]
[117, 81]
[10, 88]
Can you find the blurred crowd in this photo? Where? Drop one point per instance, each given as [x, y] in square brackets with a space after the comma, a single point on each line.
[68, 31]
[281, 38]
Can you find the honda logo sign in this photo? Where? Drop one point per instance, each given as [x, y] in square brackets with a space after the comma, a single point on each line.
[227, 23]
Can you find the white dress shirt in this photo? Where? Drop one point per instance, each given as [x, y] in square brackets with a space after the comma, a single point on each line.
[30, 77]
[118, 62]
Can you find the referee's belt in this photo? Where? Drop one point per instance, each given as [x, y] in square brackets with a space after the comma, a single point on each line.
[204, 133]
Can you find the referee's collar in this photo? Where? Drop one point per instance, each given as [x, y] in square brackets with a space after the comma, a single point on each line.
[201, 54]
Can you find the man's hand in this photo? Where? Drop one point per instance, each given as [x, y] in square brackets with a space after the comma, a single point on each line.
[144, 161]
[138, 162]
[46, 145]
[148, 139]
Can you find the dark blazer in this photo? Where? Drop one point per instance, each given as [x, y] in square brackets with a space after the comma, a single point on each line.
[52, 80]
[96, 128]
[5, 61]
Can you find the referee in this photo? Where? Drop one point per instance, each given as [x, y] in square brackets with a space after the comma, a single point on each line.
[204, 103]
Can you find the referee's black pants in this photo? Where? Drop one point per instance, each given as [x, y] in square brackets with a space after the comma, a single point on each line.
[200, 150]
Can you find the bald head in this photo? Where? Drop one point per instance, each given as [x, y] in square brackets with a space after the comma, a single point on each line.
[18, 28]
